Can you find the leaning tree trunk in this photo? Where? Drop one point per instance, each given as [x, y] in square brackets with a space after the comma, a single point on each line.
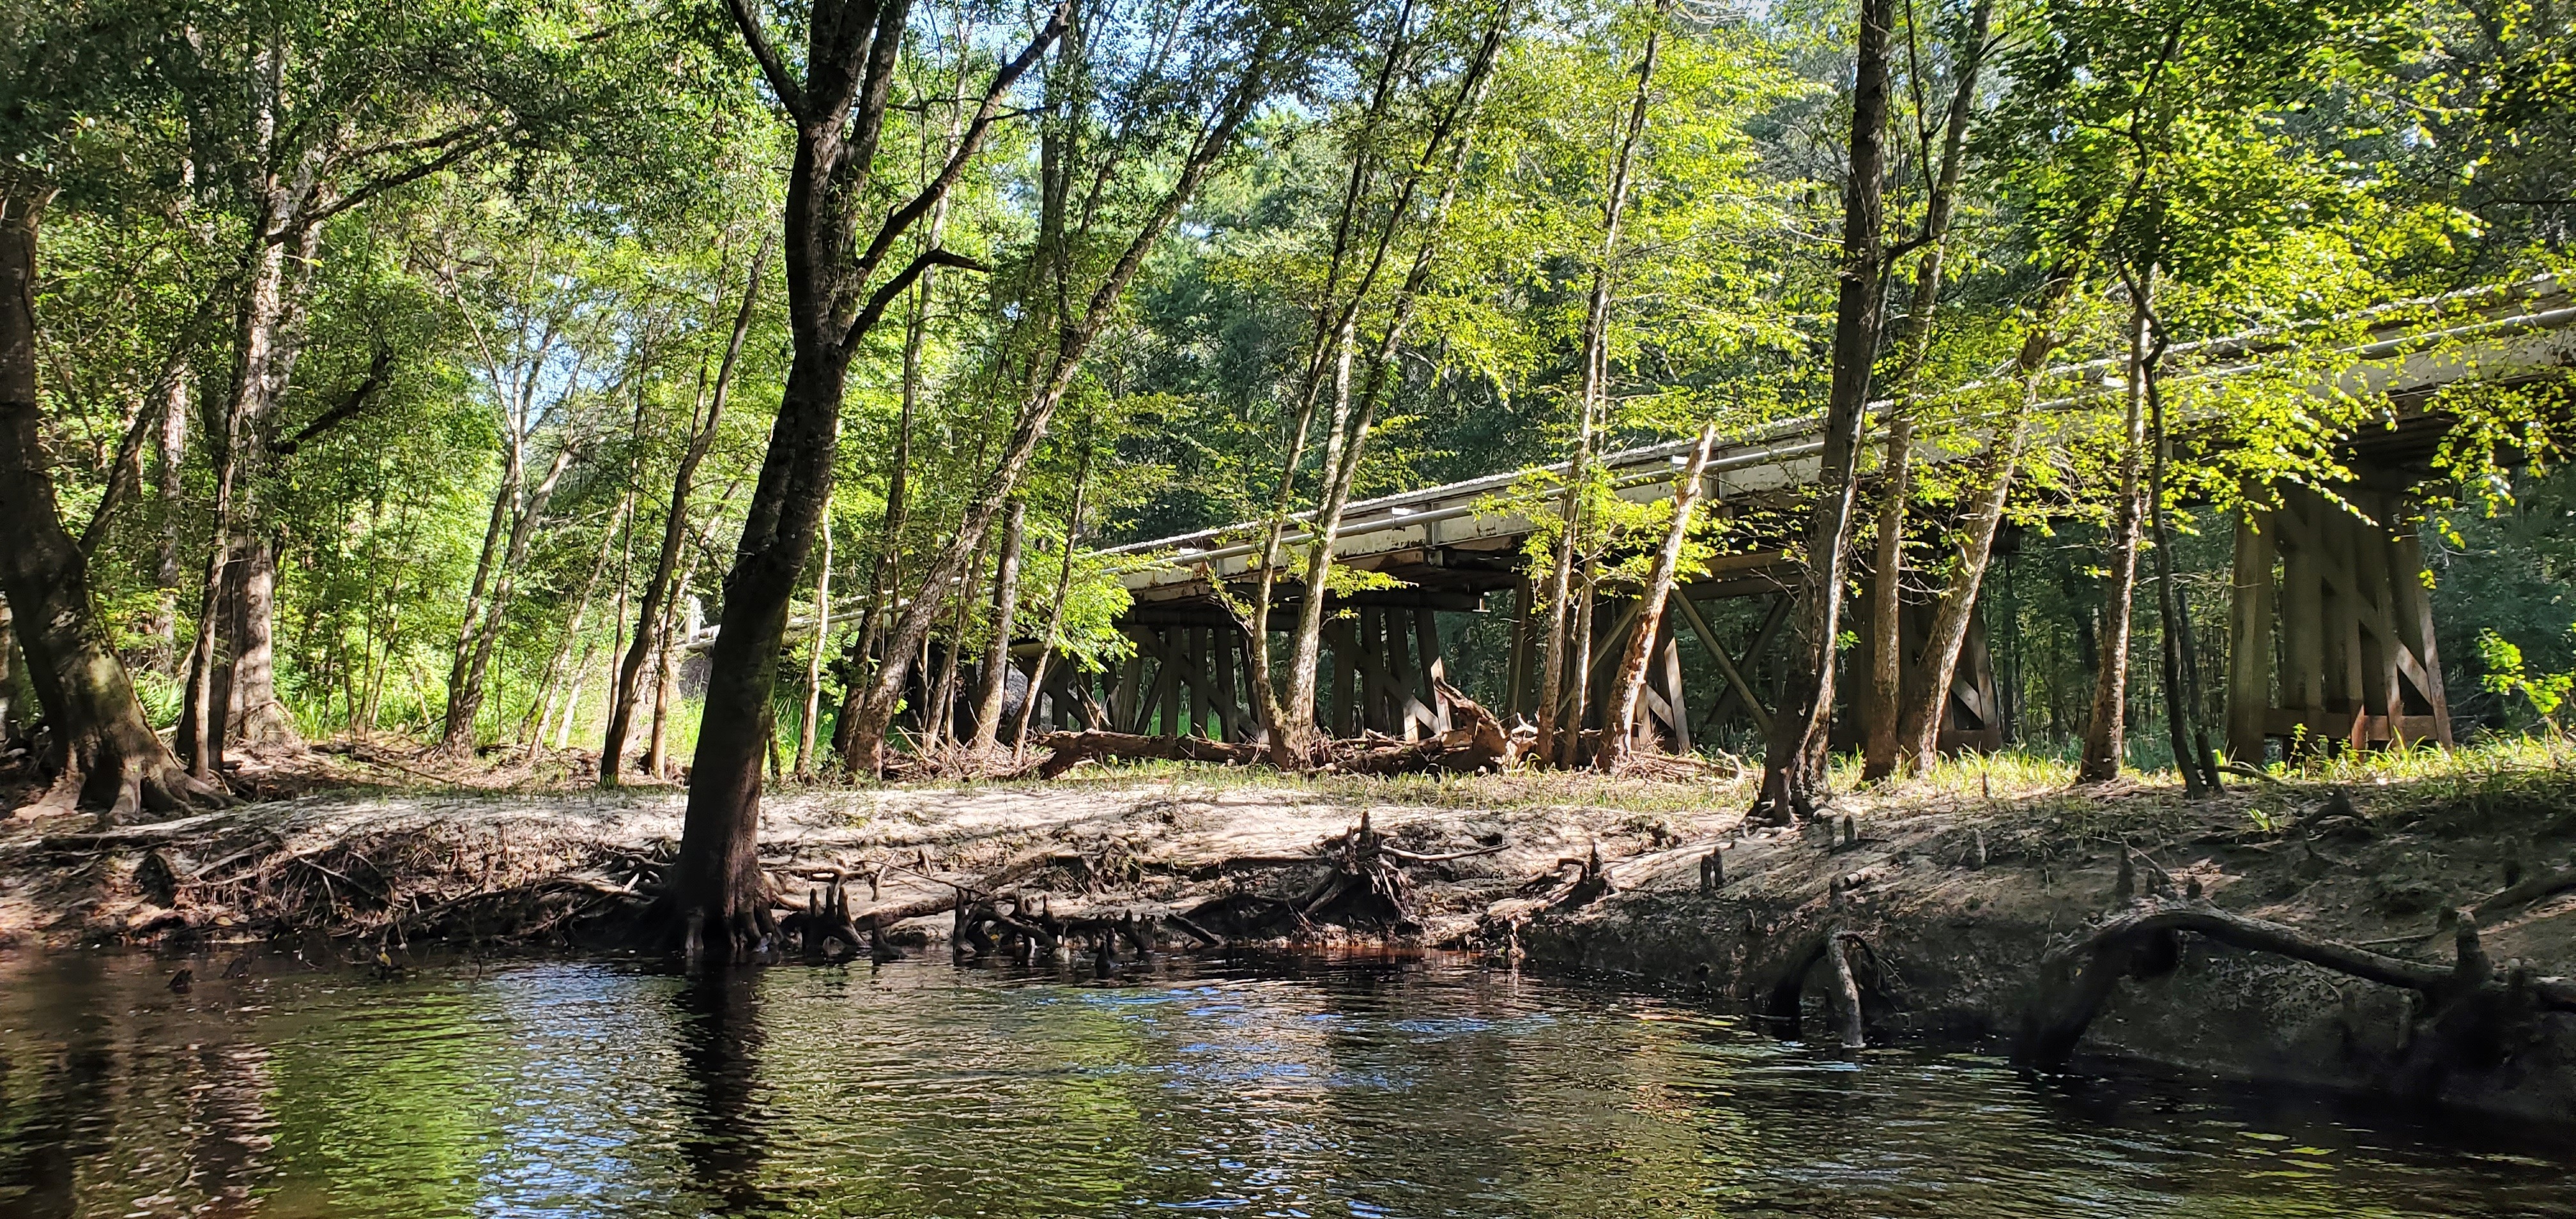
[105, 755]
[1883, 699]
[1918, 727]
[2103, 731]
[1619, 717]
[876, 711]
[465, 696]
[1563, 660]
[1793, 773]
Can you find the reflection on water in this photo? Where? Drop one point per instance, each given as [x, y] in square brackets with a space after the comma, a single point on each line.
[1358, 1088]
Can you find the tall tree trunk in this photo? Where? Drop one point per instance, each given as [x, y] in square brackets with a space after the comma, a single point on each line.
[1918, 727]
[2105, 728]
[885, 576]
[2181, 657]
[1349, 439]
[868, 730]
[1793, 772]
[997, 654]
[283, 250]
[1578, 694]
[13, 717]
[223, 655]
[253, 710]
[1554, 661]
[1289, 721]
[1619, 717]
[105, 755]
[1883, 699]
[649, 614]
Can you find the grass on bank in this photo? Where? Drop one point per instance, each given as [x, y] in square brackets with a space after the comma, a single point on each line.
[2038, 781]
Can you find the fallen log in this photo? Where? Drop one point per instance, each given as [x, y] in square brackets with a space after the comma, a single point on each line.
[1477, 741]
[2078, 978]
[1071, 749]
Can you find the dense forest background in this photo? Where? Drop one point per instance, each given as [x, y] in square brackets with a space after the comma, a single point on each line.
[416, 358]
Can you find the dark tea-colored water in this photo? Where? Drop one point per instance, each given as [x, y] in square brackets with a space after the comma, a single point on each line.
[1300, 1087]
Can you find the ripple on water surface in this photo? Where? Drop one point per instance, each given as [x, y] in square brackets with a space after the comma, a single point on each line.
[1349, 1088]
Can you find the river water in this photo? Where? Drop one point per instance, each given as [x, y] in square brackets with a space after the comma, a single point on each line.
[1325, 1087]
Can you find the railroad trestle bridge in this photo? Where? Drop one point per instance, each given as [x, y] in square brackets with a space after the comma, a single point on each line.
[2331, 631]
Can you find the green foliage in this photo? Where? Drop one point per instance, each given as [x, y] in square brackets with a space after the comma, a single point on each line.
[554, 209]
[2546, 692]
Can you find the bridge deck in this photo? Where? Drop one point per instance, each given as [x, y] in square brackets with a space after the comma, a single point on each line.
[1452, 543]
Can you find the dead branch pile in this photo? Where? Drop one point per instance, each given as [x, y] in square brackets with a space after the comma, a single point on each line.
[1476, 742]
[226, 876]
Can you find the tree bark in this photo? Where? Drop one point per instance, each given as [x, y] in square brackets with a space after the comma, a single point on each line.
[650, 605]
[2104, 729]
[719, 901]
[1884, 697]
[1619, 718]
[105, 755]
[1794, 778]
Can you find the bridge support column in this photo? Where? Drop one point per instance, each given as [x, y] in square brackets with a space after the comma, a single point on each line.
[2331, 629]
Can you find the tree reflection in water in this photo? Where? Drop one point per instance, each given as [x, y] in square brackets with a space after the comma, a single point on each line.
[720, 1044]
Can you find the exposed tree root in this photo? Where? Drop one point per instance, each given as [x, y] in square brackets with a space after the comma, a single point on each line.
[2529, 890]
[2459, 1011]
[126, 785]
[1781, 1004]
